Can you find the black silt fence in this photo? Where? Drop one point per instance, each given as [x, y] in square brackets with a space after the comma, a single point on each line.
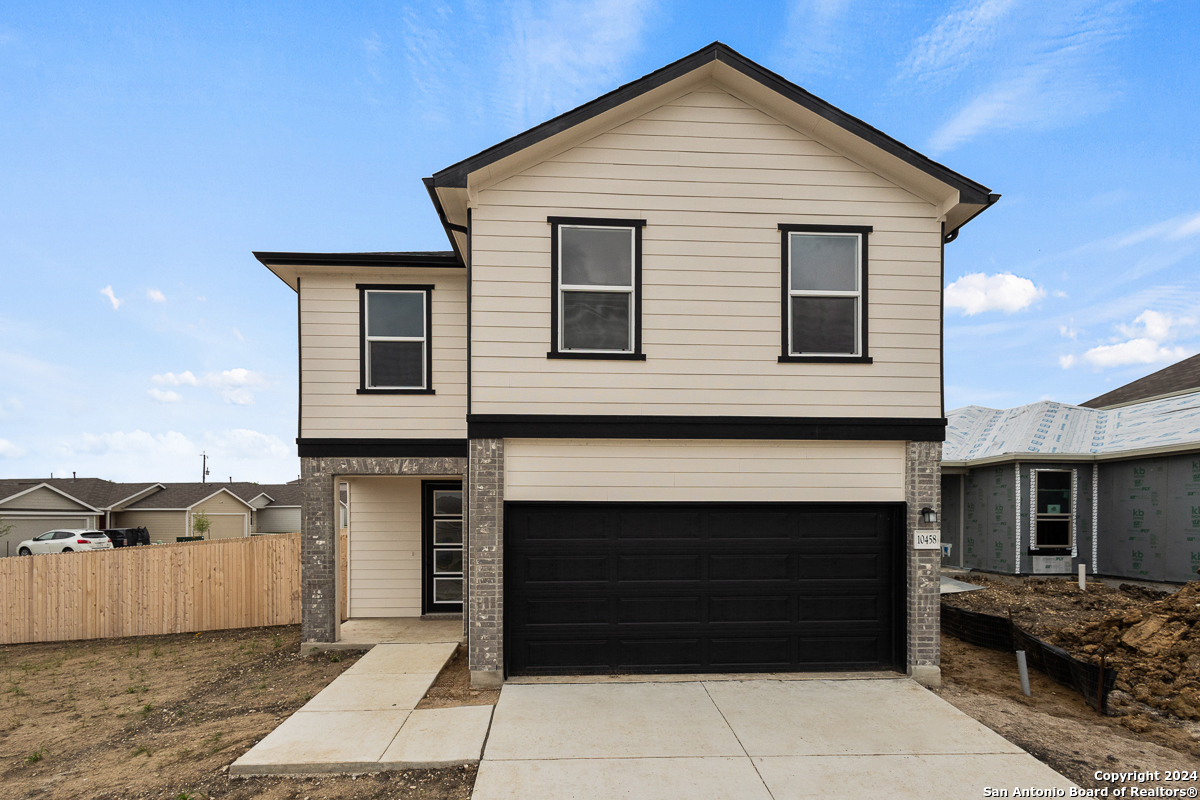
[1000, 633]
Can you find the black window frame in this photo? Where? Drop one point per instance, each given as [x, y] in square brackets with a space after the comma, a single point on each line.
[636, 226]
[786, 229]
[363, 289]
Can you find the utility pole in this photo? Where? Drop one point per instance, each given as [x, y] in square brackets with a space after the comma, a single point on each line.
[204, 468]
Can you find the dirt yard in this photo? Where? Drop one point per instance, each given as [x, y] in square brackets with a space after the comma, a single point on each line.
[1147, 636]
[163, 716]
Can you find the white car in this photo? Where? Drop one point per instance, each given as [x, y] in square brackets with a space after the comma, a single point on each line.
[65, 541]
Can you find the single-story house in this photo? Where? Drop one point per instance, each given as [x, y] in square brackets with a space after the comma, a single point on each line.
[33, 506]
[1113, 484]
[672, 402]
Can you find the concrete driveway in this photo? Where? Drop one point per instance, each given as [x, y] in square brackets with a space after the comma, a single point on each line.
[768, 739]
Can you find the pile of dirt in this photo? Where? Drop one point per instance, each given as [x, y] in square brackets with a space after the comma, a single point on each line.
[1151, 638]
[453, 686]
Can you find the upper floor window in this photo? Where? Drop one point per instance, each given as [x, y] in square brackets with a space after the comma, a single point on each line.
[395, 337]
[597, 274]
[824, 280]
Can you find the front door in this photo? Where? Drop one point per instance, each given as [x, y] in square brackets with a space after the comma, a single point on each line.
[442, 523]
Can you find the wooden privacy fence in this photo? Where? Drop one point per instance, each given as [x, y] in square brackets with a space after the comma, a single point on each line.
[136, 591]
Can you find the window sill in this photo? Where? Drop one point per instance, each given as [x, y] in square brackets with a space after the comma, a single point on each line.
[825, 360]
[600, 356]
[396, 391]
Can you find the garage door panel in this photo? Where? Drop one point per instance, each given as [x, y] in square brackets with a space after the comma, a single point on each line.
[659, 525]
[659, 610]
[712, 587]
[666, 567]
[562, 611]
[753, 608]
[754, 568]
[566, 569]
[752, 654]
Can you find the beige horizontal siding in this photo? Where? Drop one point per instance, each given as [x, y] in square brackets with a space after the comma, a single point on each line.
[713, 177]
[694, 471]
[385, 547]
[329, 344]
[42, 499]
[279, 520]
[164, 526]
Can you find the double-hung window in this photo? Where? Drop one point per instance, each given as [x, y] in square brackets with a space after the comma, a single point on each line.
[824, 298]
[1054, 512]
[395, 333]
[597, 274]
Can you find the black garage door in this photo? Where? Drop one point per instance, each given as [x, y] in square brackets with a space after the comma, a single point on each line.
[702, 587]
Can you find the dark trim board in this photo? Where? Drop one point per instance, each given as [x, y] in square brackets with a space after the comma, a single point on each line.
[382, 448]
[437, 258]
[554, 426]
[456, 174]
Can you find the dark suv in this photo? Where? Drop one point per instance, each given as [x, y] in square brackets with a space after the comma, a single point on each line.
[128, 537]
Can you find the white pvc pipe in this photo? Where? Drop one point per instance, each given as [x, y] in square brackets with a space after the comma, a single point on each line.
[1023, 672]
[1083, 577]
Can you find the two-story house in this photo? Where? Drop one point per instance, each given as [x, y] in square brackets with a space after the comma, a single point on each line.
[672, 403]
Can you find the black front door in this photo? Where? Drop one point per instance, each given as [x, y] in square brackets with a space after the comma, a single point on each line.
[702, 587]
[442, 535]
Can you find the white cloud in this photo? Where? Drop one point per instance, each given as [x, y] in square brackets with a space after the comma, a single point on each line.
[1067, 361]
[1169, 230]
[1135, 351]
[964, 32]
[237, 377]
[238, 334]
[10, 450]
[107, 291]
[1059, 293]
[238, 397]
[156, 295]
[165, 397]
[1068, 332]
[979, 292]
[1156, 326]
[814, 36]
[171, 379]
[1046, 64]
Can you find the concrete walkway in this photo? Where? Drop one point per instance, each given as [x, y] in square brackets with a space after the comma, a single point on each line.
[750, 740]
[365, 721]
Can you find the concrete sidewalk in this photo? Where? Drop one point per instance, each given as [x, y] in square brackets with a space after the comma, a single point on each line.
[365, 721]
[749, 739]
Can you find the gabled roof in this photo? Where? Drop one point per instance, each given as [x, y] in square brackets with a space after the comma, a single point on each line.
[178, 496]
[720, 62]
[96, 493]
[455, 175]
[1183, 376]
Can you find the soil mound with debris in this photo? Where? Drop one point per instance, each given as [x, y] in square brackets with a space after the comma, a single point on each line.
[1152, 638]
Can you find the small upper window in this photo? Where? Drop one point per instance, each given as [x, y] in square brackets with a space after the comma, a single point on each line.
[824, 293]
[597, 277]
[1055, 508]
[396, 331]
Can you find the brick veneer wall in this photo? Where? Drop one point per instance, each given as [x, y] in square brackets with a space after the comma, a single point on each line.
[922, 487]
[485, 599]
[318, 537]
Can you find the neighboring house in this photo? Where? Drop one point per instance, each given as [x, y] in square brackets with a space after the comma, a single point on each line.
[32, 507]
[1046, 487]
[690, 440]
[1179, 378]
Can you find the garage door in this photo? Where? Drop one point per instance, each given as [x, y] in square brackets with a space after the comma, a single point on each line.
[705, 587]
[29, 527]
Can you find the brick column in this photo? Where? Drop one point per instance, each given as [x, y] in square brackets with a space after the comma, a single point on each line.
[485, 538]
[922, 487]
[318, 553]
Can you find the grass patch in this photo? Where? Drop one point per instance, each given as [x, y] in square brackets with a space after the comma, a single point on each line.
[36, 756]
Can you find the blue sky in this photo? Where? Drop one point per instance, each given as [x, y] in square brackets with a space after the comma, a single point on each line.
[146, 150]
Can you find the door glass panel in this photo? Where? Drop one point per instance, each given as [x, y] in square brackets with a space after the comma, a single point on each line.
[447, 504]
[447, 531]
[447, 590]
[447, 561]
